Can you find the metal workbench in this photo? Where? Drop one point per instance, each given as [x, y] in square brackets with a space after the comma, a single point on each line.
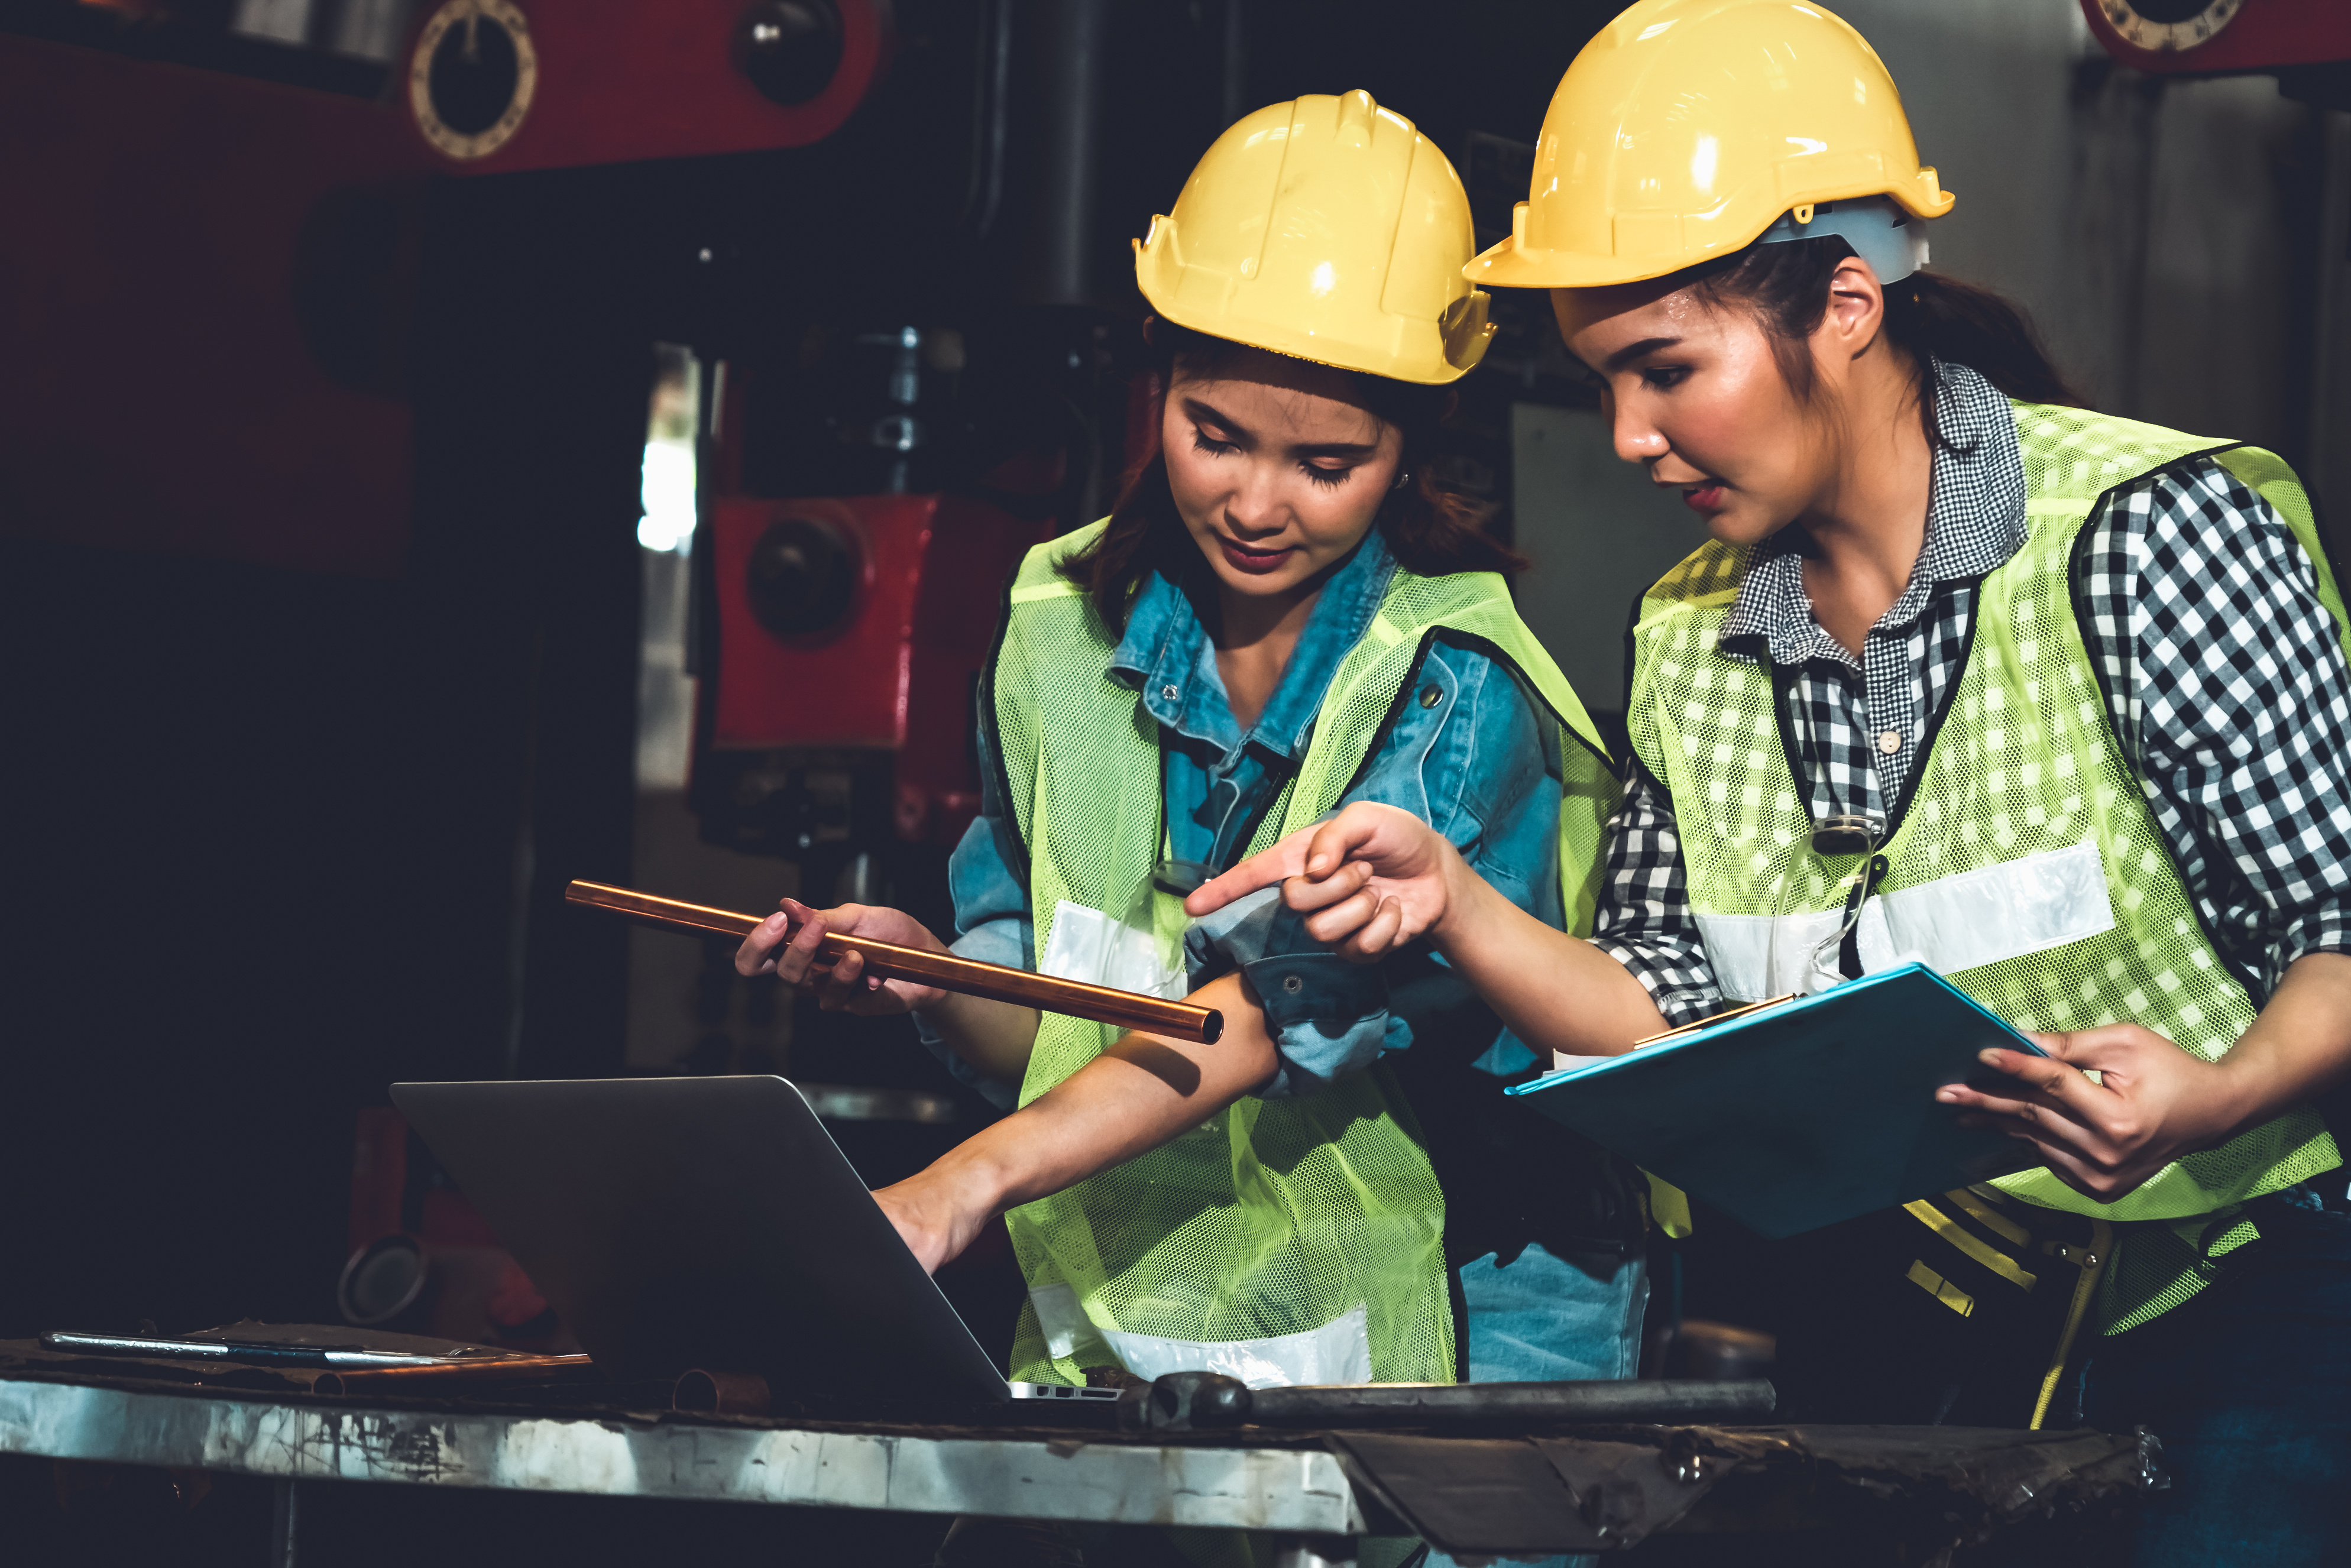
[1566, 1489]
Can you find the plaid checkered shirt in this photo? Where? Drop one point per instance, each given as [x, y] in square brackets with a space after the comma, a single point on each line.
[2224, 677]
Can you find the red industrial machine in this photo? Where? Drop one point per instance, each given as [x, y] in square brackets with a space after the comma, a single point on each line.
[497, 86]
[2214, 37]
[852, 631]
[259, 283]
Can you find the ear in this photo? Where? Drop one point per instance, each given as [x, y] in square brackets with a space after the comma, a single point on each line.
[1148, 323]
[1857, 310]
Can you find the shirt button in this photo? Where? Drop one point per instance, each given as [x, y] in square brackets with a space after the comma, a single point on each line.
[1889, 743]
[1167, 692]
[1430, 696]
[1292, 984]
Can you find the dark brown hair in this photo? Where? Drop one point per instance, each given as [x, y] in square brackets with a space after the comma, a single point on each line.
[1928, 317]
[1429, 529]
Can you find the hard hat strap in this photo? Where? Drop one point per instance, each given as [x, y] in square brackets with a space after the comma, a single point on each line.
[1881, 233]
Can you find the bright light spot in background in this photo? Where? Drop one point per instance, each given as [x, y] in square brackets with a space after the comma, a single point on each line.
[664, 691]
[668, 497]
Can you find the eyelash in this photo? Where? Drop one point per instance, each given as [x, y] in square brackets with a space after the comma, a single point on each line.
[1328, 478]
[1664, 378]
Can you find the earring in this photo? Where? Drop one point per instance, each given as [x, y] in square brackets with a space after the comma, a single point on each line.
[1404, 478]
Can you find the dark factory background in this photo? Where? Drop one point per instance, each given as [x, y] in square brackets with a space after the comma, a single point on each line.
[450, 450]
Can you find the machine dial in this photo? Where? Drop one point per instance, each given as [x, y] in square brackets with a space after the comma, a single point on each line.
[2168, 25]
[471, 76]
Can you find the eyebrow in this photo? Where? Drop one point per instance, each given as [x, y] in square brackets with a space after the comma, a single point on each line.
[1624, 356]
[1208, 413]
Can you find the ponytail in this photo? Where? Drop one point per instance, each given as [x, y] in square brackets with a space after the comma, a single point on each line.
[1930, 314]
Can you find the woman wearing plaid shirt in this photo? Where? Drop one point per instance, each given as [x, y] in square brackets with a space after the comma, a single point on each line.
[1896, 481]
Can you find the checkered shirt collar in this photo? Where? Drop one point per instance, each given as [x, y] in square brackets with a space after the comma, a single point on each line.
[1975, 522]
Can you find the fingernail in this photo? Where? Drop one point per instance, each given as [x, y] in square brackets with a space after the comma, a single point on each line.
[1318, 864]
[1946, 1096]
[1988, 1056]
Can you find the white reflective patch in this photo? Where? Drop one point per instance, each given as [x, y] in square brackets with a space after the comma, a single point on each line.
[1759, 955]
[2003, 911]
[1338, 1351]
[1964, 922]
[1061, 1320]
[1087, 945]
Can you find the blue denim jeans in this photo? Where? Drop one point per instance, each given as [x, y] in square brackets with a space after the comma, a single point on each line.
[2249, 1387]
[1542, 1319]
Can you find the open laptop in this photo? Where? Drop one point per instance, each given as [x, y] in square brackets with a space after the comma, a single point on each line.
[676, 1223]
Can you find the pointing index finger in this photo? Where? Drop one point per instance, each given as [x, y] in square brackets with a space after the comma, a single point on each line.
[1263, 868]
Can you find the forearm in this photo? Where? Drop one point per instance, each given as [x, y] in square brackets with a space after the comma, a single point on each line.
[2299, 1048]
[1141, 1092]
[1555, 991]
[994, 1037]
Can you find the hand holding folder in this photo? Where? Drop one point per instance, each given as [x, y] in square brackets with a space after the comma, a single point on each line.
[1799, 1114]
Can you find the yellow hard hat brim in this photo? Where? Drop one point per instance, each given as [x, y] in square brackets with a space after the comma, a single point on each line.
[1450, 355]
[1511, 264]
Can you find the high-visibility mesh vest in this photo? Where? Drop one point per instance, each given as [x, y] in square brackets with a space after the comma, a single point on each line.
[2023, 775]
[1276, 1216]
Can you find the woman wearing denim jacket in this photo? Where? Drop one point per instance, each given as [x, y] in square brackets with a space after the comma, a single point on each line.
[1282, 615]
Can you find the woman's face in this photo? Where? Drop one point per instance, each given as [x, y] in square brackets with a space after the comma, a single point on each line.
[1277, 470]
[1693, 393]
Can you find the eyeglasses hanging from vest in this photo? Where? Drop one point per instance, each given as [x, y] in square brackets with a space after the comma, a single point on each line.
[1834, 838]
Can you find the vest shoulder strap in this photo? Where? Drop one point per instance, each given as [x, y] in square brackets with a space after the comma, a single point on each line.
[1706, 578]
[2073, 458]
[1030, 666]
[1041, 567]
[2076, 455]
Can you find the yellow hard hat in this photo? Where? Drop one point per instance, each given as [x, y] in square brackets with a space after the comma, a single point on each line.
[1327, 228]
[1688, 128]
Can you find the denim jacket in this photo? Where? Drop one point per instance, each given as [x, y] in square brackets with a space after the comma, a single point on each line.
[1475, 763]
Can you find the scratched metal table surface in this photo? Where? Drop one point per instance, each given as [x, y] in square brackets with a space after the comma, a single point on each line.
[1038, 1474]
[1580, 1490]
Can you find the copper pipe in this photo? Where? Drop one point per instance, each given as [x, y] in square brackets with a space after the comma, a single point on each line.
[479, 1369]
[968, 977]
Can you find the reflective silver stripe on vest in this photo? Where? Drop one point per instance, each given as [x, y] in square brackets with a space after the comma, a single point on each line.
[1338, 1351]
[1962, 922]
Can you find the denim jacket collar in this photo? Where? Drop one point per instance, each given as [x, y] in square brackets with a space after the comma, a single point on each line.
[1167, 656]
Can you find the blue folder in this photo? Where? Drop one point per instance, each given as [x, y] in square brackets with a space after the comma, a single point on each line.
[1805, 1113]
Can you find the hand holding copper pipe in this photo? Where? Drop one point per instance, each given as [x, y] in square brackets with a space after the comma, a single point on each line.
[790, 945]
[942, 971]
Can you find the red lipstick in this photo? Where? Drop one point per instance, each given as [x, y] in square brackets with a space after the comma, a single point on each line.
[1255, 562]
